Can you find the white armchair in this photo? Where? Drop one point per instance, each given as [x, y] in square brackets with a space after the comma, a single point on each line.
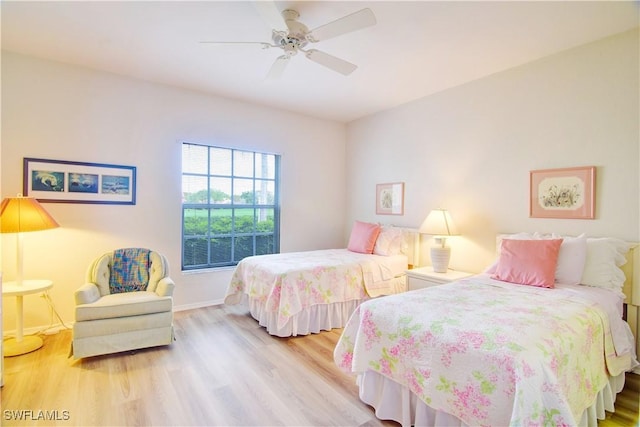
[126, 304]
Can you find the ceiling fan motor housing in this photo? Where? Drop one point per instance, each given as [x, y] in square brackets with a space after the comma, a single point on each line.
[295, 38]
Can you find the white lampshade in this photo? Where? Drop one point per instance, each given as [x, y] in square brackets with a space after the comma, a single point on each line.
[439, 224]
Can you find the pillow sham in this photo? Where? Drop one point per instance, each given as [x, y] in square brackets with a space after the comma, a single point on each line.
[605, 255]
[528, 262]
[389, 241]
[571, 259]
[363, 237]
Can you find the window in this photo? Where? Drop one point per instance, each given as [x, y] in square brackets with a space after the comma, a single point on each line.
[230, 205]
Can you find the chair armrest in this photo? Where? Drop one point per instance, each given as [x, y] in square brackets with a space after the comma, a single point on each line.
[165, 287]
[87, 294]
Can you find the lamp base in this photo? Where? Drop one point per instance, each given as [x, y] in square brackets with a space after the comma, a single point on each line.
[29, 343]
[440, 258]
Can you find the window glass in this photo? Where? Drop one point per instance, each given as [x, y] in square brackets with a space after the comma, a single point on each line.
[230, 207]
[194, 159]
[243, 163]
[220, 161]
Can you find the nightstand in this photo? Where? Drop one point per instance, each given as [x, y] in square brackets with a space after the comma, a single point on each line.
[425, 277]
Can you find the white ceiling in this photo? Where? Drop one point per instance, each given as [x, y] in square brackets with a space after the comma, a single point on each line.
[416, 48]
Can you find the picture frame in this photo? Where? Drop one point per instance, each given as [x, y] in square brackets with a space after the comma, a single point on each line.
[390, 198]
[568, 193]
[62, 181]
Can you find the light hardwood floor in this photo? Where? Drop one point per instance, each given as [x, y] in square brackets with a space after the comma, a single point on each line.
[222, 370]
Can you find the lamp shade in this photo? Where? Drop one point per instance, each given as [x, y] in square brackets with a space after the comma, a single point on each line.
[439, 223]
[21, 214]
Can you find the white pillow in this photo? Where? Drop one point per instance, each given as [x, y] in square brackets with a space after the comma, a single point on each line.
[571, 259]
[389, 241]
[604, 257]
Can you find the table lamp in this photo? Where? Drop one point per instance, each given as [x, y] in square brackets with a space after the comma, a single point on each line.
[439, 224]
[19, 215]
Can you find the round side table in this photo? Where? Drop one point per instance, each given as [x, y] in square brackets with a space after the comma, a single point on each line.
[21, 344]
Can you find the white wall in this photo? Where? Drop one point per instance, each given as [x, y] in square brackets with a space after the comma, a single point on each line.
[56, 111]
[470, 149]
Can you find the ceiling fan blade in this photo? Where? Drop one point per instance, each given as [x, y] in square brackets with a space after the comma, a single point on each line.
[262, 44]
[278, 67]
[355, 21]
[329, 61]
[271, 15]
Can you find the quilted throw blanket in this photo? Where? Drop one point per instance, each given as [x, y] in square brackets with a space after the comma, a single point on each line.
[490, 354]
[130, 270]
[291, 282]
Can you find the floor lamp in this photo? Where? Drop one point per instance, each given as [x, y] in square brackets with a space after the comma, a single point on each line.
[439, 224]
[20, 215]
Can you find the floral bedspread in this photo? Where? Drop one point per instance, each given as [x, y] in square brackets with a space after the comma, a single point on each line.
[288, 283]
[488, 352]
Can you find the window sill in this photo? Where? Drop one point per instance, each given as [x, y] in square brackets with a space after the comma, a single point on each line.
[207, 270]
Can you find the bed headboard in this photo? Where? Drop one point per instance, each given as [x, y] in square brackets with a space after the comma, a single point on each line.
[410, 245]
[631, 286]
[631, 290]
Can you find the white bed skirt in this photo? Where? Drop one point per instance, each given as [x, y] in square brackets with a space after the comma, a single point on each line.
[317, 318]
[392, 401]
[323, 317]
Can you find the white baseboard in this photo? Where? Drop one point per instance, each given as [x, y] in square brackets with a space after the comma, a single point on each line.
[42, 329]
[201, 304]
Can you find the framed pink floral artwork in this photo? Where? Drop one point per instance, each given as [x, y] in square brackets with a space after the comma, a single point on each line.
[563, 193]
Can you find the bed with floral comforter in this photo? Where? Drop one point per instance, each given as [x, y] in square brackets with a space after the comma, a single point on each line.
[492, 353]
[318, 288]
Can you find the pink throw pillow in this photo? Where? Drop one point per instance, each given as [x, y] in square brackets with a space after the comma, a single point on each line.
[363, 237]
[528, 262]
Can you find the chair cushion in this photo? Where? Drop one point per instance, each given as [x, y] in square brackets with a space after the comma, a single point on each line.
[123, 304]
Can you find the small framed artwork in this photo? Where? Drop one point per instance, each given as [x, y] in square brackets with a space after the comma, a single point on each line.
[563, 193]
[62, 181]
[390, 198]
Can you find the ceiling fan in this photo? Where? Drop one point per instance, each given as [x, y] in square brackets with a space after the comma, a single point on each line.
[292, 37]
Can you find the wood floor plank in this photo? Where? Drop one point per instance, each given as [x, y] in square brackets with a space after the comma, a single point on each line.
[222, 370]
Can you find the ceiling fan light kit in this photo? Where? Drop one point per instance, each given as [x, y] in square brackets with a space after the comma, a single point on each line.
[292, 36]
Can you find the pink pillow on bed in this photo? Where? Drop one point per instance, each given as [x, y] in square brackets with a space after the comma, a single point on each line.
[571, 257]
[363, 237]
[528, 262]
